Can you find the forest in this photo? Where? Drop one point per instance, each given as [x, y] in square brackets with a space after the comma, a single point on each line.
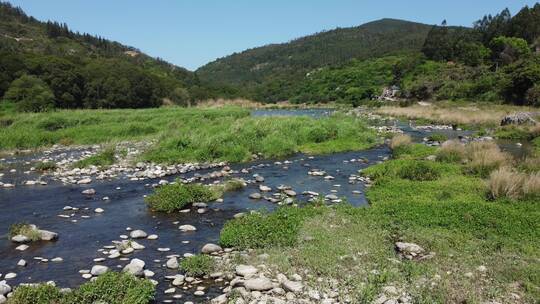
[46, 65]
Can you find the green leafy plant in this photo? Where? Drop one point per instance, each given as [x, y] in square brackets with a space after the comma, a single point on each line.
[198, 265]
[173, 197]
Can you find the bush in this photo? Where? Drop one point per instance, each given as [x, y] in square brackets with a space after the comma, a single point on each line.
[198, 265]
[38, 294]
[257, 230]
[30, 94]
[110, 288]
[46, 166]
[173, 197]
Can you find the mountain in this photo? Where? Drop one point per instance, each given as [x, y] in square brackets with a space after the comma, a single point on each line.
[270, 72]
[84, 71]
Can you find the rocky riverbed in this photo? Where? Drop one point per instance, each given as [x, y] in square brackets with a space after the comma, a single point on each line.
[103, 223]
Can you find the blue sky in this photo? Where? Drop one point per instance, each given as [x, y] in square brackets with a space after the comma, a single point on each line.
[190, 33]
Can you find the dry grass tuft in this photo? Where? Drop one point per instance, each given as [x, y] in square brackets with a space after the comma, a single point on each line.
[484, 157]
[531, 185]
[509, 183]
[506, 182]
[471, 115]
[451, 151]
[400, 140]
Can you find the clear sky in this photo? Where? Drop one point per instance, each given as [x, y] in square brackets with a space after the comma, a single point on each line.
[190, 33]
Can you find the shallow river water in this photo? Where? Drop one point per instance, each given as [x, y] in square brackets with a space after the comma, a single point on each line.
[83, 233]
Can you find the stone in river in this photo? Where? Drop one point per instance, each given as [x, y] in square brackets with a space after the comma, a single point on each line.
[98, 270]
[211, 248]
[138, 234]
[172, 263]
[186, 228]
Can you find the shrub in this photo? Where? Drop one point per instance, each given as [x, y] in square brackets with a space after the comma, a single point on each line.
[418, 171]
[25, 229]
[110, 288]
[198, 265]
[46, 166]
[173, 197]
[30, 94]
[257, 230]
[484, 157]
[103, 158]
[451, 151]
[38, 294]
[114, 288]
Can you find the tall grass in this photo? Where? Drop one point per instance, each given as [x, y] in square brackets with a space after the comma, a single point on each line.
[34, 130]
[451, 151]
[484, 157]
[400, 140]
[192, 134]
[490, 115]
[511, 184]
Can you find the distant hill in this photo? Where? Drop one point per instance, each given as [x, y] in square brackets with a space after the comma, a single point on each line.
[269, 72]
[88, 71]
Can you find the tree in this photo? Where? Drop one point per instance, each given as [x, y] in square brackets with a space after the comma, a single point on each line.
[507, 50]
[522, 76]
[180, 96]
[30, 94]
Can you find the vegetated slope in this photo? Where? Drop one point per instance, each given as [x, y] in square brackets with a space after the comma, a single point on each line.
[267, 72]
[83, 70]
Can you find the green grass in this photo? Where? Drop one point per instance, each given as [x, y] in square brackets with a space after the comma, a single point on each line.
[173, 197]
[413, 151]
[192, 134]
[111, 288]
[450, 215]
[24, 229]
[236, 140]
[198, 265]
[34, 130]
[102, 159]
[258, 230]
[512, 132]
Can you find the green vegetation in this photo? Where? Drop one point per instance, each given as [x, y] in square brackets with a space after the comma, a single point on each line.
[101, 159]
[236, 140]
[112, 288]
[46, 65]
[198, 265]
[173, 197]
[34, 130]
[234, 185]
[454, 215]
[46, 166]
[274, 72]
[257, 230]
[25, 229]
